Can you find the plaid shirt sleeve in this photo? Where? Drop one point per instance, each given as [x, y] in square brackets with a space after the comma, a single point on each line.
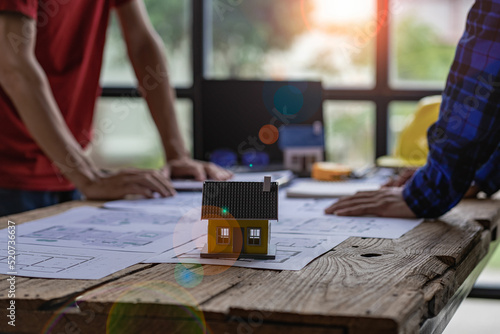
[463, 142]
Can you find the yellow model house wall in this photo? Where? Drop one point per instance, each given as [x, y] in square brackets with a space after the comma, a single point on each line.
[213, 247]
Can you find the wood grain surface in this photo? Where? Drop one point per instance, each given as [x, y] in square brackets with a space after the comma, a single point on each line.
[363, 285]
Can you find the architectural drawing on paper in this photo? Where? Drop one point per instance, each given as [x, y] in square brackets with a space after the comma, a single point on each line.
[119, 218]
[46, 262]
[96, 237]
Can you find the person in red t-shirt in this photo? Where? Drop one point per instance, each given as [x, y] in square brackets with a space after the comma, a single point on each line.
[50, 62]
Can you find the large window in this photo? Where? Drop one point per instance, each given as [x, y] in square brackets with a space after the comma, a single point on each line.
[375, 58]
[424, 35]
[349, 129]
[125, 134]
[172, 20]
[292, 39]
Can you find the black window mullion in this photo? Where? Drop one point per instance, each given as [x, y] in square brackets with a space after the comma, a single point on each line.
[198, 61]
[382, 76]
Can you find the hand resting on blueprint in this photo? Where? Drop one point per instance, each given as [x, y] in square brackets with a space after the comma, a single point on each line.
[106, 186]
[385, 202]
[199, 170]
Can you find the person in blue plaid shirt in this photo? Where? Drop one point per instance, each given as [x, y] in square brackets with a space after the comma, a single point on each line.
[464, 151]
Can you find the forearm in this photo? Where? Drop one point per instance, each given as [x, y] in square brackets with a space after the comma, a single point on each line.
[150, 67]
[28, 88]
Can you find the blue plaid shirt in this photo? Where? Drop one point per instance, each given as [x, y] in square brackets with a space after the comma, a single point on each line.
[464, 142]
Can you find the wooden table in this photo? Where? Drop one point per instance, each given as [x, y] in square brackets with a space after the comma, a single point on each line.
[409, 285]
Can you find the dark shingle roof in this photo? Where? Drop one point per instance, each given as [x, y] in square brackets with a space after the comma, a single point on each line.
[241, 200]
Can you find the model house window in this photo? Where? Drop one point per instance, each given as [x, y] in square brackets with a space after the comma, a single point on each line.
[254, 236]
[223, 235]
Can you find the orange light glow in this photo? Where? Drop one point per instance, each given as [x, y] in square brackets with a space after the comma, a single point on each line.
[269, 134]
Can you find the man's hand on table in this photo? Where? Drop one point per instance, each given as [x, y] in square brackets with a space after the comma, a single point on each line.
[148, 182]
[199, 170]
[128, 182]
[385, 202]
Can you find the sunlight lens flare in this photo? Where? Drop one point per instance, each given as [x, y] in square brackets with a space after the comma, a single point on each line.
[327, 12]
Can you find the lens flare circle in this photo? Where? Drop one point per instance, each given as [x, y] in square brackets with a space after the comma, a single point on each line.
[269, 134]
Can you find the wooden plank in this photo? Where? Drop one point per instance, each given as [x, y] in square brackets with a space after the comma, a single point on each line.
[98, 323]
[39, 293]
[440, 290]
[438, 323]
[160, 291]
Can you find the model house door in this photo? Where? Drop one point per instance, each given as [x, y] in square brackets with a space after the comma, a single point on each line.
[238, 238]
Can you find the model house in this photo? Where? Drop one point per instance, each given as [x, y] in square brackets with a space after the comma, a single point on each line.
[302, 146]
[239, 215]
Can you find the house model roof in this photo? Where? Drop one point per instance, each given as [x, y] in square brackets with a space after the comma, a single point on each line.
[239, 200]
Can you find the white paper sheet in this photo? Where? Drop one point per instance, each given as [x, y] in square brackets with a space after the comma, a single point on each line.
[66, 263]
[368, 227]
[319, 189]
[93, 228]
[306, 216]
[180, 203]
[293, 252]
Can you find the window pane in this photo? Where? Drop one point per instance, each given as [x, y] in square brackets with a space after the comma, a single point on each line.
[125, 135]
[171, 19]
[350, 132]
[424, 37]
[326, 40]
[400, 113]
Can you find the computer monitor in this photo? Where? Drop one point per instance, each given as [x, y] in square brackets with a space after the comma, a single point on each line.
[234, 112]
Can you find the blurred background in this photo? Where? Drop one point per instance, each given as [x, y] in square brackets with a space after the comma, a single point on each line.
[375, 59]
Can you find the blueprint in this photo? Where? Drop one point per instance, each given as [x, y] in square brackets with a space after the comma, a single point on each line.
[324, 189]
[66, 263]
[95, 236]
[90, 243]
[368, 227]
[93, 228]
[120, 218]
[306, 216]
[293, 252]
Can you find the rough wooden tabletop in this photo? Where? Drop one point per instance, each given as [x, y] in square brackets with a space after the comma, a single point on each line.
[361, 286]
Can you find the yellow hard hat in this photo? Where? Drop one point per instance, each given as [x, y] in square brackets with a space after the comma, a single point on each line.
[411, 147]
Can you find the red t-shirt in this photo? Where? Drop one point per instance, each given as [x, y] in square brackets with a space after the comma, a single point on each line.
[69, 47]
